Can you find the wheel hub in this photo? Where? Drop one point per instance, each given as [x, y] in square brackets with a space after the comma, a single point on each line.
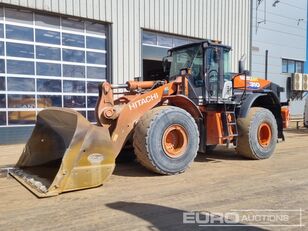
[175, 141]
[264, 134]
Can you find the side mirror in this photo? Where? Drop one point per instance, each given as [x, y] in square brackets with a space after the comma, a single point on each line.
[241, 66]
[165, 64]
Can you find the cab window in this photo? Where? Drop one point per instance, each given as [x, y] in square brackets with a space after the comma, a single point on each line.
[196, 68]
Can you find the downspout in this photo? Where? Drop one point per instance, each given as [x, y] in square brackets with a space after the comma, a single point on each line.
[250, 51]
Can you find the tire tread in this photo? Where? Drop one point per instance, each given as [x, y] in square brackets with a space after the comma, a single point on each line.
[243, 147]
[141, 136]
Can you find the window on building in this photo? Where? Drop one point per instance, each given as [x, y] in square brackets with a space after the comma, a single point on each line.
[292, 66]
[299, 67]
[49, 61]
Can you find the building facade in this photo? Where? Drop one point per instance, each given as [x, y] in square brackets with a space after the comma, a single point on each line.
[55, 52]
[280, 28]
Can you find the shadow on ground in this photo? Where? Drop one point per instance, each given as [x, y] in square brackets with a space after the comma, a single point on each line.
[127, 165]
[133, 169]
[218, 154]
[300, 131]
[166, 219]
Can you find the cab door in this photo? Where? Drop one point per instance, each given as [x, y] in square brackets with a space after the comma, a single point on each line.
[214, 73]
[196, 78]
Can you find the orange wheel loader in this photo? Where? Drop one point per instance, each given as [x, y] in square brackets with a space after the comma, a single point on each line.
[200, 105]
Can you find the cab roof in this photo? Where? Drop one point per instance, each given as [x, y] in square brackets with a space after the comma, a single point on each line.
[209, 42]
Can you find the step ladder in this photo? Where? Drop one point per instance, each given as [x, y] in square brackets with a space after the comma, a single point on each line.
[230, 131]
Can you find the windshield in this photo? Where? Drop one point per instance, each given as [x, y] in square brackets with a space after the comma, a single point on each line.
[182, 58]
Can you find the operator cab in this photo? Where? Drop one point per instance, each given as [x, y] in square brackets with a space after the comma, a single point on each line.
[208, 63]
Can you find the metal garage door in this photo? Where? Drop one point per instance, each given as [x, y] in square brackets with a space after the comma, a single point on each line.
[48, 61]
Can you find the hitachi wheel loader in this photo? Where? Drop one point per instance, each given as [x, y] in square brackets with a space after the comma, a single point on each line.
[200, 105]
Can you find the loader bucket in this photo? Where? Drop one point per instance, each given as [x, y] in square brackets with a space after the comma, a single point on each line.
[64, 153]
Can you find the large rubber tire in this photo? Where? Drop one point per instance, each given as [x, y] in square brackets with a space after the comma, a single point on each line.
[149, 135]
[249, 141]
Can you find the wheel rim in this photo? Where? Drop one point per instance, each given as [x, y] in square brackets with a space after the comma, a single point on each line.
[264, 134]
[175, 141]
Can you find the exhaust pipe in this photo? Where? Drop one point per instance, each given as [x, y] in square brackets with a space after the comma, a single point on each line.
[64, 153]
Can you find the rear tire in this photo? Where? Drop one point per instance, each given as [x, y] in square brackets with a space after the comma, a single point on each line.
[166, 140]
[257, 134]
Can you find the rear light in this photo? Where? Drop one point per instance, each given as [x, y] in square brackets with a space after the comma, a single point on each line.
[285, 114]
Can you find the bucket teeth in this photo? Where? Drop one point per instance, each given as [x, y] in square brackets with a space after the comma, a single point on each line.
[18, 172]
[31, 180]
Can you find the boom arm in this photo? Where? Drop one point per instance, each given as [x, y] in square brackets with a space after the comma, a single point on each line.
[121, 115]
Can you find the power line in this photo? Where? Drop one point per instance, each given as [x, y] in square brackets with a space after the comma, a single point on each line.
[270, 56]
[291, 5]
[263, 64]
[283, 24]
[280, 57]
[280, 15]
[282, 32]
[278, 44]
[273, 73]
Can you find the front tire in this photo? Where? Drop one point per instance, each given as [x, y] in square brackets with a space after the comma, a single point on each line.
[257, 134]
[166, 140]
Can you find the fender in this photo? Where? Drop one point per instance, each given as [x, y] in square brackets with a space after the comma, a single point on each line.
[185, 103]
[268, 100]
[255, 99]
[247, 103]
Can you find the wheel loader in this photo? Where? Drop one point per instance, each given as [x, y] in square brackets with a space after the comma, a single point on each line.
[199, 105]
